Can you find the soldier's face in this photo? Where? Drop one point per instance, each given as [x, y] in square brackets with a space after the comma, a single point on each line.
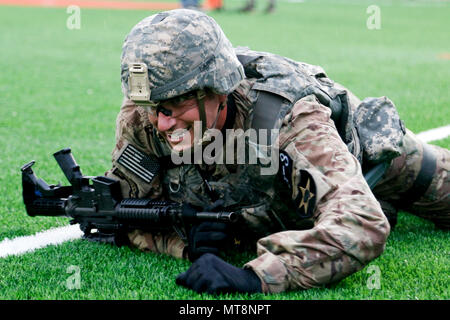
[178, 128]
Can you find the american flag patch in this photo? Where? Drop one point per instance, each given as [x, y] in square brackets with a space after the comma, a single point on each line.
[142, 165]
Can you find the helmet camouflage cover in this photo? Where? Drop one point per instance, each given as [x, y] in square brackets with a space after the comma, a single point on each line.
[183, 50]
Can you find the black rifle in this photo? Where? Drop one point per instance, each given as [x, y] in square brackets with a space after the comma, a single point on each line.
[99, 207]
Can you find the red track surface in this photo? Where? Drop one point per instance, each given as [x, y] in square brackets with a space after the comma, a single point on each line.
[92, 4]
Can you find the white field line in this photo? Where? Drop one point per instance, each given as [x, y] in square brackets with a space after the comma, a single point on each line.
[434, 134]
[39, 240]
[57, 236]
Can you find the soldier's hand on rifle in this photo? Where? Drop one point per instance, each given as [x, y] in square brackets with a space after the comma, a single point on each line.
[207, 237]
[212, 275]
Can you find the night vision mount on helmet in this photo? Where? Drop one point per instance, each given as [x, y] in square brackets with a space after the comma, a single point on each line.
[174, 52]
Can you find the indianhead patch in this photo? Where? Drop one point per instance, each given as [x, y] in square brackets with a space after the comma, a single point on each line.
[305, 201]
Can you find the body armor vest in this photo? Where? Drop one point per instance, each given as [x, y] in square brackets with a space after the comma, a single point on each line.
[280, 78]
[278, 83]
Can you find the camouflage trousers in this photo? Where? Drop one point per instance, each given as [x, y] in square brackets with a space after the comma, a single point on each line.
[434, 204]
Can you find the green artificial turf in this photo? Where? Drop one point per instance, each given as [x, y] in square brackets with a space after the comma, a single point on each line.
[61, 88]
[407, 271]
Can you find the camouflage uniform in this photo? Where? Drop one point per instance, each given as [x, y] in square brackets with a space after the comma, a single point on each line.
[347, 228]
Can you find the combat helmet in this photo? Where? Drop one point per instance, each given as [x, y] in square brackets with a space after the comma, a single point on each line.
[175, 52]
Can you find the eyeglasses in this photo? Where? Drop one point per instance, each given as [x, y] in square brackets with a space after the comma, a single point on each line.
[155, 109]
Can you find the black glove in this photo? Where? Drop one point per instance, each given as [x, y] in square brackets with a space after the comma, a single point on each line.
[213, 275]
[206, 237]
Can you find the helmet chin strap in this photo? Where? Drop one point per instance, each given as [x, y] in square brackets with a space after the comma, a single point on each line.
[201, 95]
[221, 107]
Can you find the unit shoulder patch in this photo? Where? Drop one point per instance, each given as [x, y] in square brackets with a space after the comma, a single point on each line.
[306, 197]
[303, 192]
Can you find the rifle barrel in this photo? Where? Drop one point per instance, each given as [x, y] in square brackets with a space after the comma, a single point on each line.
[217, 216]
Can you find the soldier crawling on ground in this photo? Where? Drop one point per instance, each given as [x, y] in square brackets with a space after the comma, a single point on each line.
[315, 220]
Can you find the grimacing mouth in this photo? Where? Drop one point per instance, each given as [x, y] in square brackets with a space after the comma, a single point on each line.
[178, 134]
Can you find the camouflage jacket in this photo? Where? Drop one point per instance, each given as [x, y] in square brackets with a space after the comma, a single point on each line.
[346, 228]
